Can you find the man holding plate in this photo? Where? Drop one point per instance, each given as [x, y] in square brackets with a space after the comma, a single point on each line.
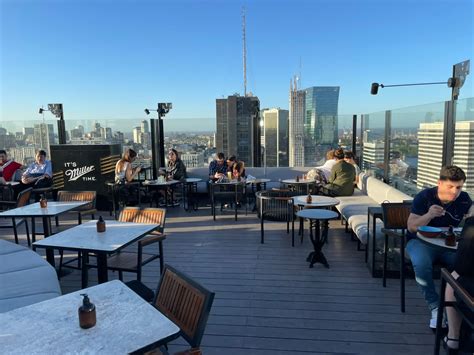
[441, 206]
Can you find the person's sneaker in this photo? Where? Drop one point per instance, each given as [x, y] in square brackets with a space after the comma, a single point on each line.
[434, 318]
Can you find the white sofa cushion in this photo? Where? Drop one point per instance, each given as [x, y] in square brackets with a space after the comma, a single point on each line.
[25, 277]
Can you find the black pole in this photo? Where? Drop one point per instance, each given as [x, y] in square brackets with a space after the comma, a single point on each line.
[61, 127]
[354, 135]
[154, 148]
[161, 157]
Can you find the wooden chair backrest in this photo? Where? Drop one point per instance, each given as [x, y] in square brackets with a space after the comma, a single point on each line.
[71, 196]
[185, 302]
[24, 197]
[146, 215]
[395, 214]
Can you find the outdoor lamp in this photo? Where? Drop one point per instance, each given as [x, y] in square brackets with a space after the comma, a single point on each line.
[456, 81]
[374, 89]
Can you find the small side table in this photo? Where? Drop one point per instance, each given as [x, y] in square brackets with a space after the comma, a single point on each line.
[317, 238]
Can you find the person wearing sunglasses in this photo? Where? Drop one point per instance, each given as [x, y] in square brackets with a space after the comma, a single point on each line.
[441, 206]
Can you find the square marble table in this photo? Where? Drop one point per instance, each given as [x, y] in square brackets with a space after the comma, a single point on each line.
[125, 324]
[34, 210]
[86, 239]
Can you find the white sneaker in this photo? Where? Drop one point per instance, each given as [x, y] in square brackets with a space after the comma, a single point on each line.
[434, 318]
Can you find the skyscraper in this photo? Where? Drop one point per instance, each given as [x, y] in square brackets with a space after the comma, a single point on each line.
[275, 133]
[238, 128]
[320, 121]
[296, 125]
[43, 136]
[430, 152]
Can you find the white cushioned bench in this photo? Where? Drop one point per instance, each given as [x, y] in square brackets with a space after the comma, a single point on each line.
[371, 192]
[25, 277]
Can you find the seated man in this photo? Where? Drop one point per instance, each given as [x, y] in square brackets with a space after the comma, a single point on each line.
[39, 173]
[7, 167]
[217, 168]
[441, 206]
[341, 181]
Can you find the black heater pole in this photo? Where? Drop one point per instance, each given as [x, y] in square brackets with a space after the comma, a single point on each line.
[354, 135]
[61, 127]
[161, 141]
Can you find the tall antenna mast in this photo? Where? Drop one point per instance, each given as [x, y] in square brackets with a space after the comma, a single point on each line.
[244, 49]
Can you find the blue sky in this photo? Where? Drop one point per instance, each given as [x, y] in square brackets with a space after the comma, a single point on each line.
[108, 59]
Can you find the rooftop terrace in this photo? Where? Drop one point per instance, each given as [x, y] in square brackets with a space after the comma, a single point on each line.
[269, 302]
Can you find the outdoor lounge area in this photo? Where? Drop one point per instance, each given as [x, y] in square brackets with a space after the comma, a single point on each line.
[267, 299]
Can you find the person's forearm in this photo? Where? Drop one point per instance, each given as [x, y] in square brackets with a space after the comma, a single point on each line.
[417, 221]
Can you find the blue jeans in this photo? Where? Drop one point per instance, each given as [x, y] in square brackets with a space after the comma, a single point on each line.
[422, 257]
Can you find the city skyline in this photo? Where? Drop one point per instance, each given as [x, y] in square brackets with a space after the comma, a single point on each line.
[192, 54]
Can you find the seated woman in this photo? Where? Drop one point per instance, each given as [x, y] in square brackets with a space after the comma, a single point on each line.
[322, 173]
[464, 273]
[238, 171]
[124, 175]
[176, 169]
[39, 174]
[341, 181]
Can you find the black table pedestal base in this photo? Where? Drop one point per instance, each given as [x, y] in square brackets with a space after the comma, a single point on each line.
[317, 257]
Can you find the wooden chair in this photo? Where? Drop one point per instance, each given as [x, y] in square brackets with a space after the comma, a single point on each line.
[276, 205]
[22, 200]
[227, 193]
[464, 305]
[125, 261]
[186, 303]
[395, 217]
[79, 196]
[71, 196]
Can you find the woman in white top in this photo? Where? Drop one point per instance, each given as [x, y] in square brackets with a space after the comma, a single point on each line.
[124, 175]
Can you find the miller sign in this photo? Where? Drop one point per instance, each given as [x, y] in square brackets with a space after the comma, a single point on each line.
[77, 173]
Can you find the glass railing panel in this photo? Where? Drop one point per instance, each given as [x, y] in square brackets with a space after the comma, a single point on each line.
[464, 141]
[129, 133]
[193, 138]
[22, 138]
[416, 144]
[373, 138]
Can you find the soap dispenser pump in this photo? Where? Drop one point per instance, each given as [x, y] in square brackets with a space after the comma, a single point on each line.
[87, 318]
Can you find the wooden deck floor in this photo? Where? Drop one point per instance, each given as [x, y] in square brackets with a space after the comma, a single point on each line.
[269, 302]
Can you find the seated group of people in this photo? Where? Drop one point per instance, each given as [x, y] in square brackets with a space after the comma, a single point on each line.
[125, 173]
[338, 175]
[38, 174]
[220, 168]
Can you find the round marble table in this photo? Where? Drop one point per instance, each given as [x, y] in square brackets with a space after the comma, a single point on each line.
[437, 242]
[318, 238]
[316, 201]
